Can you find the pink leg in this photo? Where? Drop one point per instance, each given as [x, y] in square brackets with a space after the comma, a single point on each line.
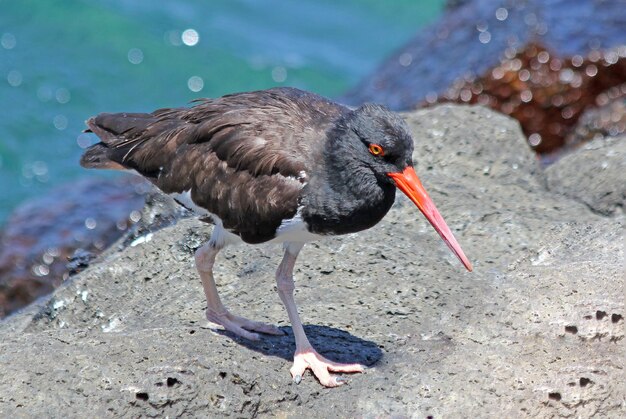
[216, 312]
[305, 356]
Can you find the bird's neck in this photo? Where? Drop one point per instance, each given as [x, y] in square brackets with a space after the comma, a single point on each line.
[346, 196]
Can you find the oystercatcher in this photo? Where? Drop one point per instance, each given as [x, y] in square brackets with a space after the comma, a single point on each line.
[277, 165]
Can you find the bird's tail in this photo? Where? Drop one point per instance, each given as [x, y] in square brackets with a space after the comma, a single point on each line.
[97, 157]
[118, 133]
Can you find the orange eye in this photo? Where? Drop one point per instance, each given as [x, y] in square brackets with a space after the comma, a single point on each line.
[376, 150]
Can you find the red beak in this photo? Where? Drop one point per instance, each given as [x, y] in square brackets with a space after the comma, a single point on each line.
[408, 182]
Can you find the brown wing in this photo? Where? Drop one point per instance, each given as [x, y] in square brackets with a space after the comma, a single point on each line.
[243, 157]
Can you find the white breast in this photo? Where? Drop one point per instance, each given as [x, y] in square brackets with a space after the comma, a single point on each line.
[295, 230]
[290, 230]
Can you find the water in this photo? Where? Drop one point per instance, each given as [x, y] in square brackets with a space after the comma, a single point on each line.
[61, 62]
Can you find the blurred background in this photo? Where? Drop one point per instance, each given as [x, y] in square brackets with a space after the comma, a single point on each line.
[61, 62]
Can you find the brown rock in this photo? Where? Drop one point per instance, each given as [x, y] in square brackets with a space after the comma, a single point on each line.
[545, 92]
[544, 63]
[41, 235]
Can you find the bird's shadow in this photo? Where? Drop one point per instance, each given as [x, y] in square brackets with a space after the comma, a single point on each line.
[335, 344]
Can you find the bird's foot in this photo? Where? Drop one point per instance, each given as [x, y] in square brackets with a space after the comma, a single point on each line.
[320, 367]
[240, 325]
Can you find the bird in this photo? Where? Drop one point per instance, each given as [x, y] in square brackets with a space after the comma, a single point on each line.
[280, 165]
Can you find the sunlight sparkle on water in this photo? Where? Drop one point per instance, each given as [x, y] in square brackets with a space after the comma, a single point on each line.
[8, 40]
[534, 139]
[83, 140]
[405, 59]
[90, 223]
[62, 95]
[190, 37]
[135, 56]
[195, 83]
[40, 168]
[279, 74]
[591, 70]
[502, 14]
[543, 57]
[14, 78]
[60, 122]
[135, 216]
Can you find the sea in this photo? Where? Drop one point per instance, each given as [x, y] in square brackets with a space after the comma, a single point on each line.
[64, 61]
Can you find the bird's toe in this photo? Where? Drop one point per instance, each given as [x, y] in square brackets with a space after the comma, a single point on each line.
[240, 331]
[268, 329]
[321, 368]
[242, 326]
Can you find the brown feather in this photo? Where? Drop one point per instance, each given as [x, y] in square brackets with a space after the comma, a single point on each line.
[241, 155]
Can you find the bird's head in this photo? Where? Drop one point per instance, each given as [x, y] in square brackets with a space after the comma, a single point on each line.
[382, 141]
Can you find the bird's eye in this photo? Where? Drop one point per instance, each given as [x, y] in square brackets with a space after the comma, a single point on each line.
[376, 150]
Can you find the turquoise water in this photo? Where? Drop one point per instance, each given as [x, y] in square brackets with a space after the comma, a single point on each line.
[61, 62]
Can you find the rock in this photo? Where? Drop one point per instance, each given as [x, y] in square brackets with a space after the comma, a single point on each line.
[79, 261]
[601, 185]
[159, 211]
[528, 59]
[535, 331]
[43, 233]
[548, 93]
[608, 119]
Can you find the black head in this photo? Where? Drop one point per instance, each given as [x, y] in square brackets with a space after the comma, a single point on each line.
[380, 139]
[373, 139]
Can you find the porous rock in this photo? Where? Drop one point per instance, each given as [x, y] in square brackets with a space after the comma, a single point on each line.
[535, 331]
[594, 174]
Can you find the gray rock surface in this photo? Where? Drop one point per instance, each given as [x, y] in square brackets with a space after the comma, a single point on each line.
[582, 175]
[537, 330]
